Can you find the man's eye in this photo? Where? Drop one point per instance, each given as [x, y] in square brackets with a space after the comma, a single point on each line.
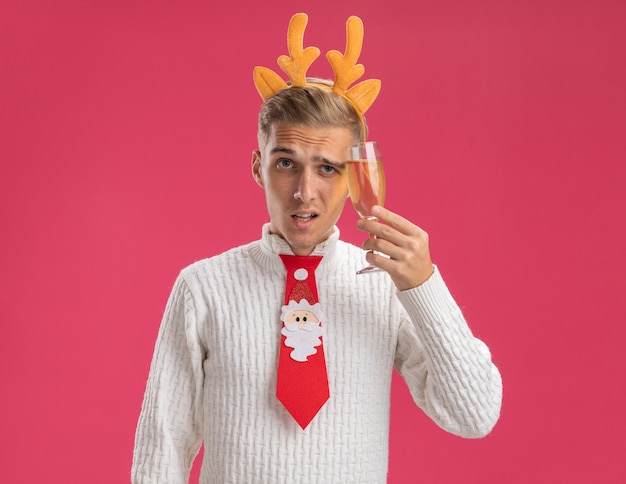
[284, 163]
[328, 169]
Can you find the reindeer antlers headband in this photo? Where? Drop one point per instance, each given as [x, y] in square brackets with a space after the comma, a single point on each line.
[346, 70]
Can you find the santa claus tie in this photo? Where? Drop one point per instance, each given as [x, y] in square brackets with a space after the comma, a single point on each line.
[302, 384]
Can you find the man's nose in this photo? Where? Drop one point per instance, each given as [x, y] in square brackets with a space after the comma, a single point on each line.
[305, 190]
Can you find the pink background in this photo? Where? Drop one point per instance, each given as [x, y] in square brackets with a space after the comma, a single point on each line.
[126, 129]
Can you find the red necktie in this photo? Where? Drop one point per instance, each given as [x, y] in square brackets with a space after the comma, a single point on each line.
[302, 384]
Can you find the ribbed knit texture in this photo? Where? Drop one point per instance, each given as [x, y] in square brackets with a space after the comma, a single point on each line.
[213, 374]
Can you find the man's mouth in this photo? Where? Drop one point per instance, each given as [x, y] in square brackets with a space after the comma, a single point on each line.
[304, 217]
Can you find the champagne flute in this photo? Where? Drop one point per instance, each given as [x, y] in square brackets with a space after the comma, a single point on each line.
[366, 182]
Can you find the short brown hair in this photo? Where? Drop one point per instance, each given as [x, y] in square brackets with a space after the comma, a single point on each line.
[308, 106]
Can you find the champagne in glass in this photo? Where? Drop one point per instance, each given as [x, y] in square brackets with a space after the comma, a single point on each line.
[366, 181]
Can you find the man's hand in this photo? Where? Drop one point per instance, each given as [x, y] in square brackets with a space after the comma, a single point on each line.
[406, 244]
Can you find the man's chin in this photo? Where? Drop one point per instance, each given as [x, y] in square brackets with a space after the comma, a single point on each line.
[302, 241]
[302, 248]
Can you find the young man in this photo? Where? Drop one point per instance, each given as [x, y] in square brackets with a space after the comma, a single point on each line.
[215, 369]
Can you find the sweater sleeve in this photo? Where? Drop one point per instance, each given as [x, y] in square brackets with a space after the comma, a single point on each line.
[169, 432]
[449, 372]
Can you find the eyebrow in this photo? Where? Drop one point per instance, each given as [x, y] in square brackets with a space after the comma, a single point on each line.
[317, 158]
[280, 149]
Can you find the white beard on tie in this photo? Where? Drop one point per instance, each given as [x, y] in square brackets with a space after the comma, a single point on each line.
[303, 341]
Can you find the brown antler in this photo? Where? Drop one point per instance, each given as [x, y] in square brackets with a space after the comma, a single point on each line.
[344, 65]
[295, 65]
[347, 70]
[299, 60]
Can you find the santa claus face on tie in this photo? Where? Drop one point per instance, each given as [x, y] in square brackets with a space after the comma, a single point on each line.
[302, 329]
[302, 318]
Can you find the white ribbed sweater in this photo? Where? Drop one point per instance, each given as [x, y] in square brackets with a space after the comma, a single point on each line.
[213, 372]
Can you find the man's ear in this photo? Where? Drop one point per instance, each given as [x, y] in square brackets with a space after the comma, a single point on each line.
[256, 167]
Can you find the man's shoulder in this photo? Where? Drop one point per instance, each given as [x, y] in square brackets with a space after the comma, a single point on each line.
[218, 262]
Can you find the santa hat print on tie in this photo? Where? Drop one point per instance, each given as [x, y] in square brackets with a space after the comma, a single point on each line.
[302, 384]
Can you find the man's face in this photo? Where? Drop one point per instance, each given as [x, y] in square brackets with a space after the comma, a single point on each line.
[303, 173]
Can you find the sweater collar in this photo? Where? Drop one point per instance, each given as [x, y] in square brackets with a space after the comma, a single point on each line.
[270, 245]
[277, 245]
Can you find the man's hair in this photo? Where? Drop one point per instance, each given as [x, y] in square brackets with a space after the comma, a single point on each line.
[310, 106]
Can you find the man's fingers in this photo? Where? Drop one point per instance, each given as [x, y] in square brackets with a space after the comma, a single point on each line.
[394, 220]
[392, 227]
